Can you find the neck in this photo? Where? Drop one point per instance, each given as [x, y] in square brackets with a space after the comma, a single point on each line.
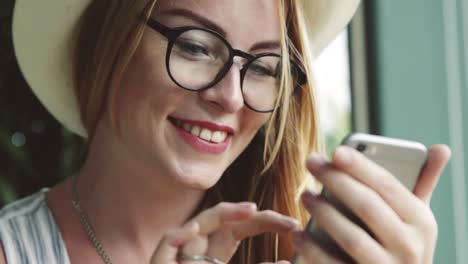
[129, 203]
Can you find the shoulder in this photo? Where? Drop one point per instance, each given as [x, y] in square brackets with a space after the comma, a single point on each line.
[23, 224]
[25, 207]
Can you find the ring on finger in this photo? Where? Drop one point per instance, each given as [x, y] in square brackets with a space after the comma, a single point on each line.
[182, 256]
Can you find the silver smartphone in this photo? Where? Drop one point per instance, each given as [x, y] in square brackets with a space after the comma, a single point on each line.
[404, 159]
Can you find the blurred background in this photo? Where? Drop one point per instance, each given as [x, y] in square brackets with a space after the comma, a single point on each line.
[399, 70]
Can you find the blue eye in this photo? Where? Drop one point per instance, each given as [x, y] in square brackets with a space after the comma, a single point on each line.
[259, 70]
[189, 48]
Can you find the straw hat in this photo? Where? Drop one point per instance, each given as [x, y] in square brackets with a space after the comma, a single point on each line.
[44, 33]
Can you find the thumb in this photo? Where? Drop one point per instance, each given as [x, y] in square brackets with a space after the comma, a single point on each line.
[437, 158]
[168, 247]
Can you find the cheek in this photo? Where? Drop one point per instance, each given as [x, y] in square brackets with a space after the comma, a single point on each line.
[146, 84]
[251, 123]
[146, 94]
[257, 120]
[146, 74]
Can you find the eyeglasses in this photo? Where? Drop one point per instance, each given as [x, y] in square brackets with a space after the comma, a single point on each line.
[198, 58]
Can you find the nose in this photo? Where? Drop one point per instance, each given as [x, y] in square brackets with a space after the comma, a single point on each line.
[226, 94]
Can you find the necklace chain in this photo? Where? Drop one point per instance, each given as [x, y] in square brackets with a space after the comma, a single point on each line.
[86, 224]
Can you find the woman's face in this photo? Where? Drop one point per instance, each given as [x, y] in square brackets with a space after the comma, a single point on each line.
[194, 136]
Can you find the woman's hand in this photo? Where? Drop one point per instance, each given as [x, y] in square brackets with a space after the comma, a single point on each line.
[216, 232]
[402, 222]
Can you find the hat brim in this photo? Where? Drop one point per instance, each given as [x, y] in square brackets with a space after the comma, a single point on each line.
[43, 37]
[325, 19]
[44, 32]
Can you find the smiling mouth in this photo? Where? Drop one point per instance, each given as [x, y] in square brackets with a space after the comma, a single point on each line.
[203, 133]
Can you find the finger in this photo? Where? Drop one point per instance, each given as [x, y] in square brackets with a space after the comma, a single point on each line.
[213, 218]
[196, 246]
[265, 221]
[349, 236]
[167, 249]
[309, 252]
[224, 242]
[365, 203]
[437, 159]
[356, 165]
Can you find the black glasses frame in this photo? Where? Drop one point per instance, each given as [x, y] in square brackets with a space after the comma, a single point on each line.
[173, 33]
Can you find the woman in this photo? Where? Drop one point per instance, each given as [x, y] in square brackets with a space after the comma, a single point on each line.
[192, 108]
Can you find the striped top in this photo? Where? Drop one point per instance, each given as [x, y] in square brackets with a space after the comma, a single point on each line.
[29, 233]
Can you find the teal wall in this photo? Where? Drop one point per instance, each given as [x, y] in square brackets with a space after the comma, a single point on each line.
[422, 62]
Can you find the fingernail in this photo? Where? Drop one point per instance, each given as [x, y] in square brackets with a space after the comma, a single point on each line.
[309, 199]
[342, 155]
[249, 205]
[176, 243]
[193, 225]
[316, 163]
[293, 223]
[298, 238]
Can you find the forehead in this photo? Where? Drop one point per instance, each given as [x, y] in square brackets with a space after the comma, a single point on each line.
[244, 21]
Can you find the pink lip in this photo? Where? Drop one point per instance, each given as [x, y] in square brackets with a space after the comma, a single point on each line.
[209, 125]
[203, 145]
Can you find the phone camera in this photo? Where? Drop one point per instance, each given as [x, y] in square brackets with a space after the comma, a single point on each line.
[361, 147]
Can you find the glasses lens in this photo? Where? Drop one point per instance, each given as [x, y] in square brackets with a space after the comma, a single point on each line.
[261, 83]
[196, 58]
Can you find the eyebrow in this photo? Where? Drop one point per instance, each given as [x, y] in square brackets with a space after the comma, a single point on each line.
[215, 27]
[266, 45]
[200, 19]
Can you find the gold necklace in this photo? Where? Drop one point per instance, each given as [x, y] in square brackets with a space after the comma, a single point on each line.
[84, 220]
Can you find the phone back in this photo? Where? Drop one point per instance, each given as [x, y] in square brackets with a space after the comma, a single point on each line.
[404, 159]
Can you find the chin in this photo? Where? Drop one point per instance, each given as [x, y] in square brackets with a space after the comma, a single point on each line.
[197, 183]
[198, 179]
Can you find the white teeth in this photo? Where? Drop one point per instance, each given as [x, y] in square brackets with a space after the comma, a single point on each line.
[187, 127]
[205, 134]
[218, 136]
[195, 131]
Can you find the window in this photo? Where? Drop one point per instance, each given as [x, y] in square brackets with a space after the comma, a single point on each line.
[333, 90]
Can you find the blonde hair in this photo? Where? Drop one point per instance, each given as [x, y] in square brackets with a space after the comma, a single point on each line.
[270, 171]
